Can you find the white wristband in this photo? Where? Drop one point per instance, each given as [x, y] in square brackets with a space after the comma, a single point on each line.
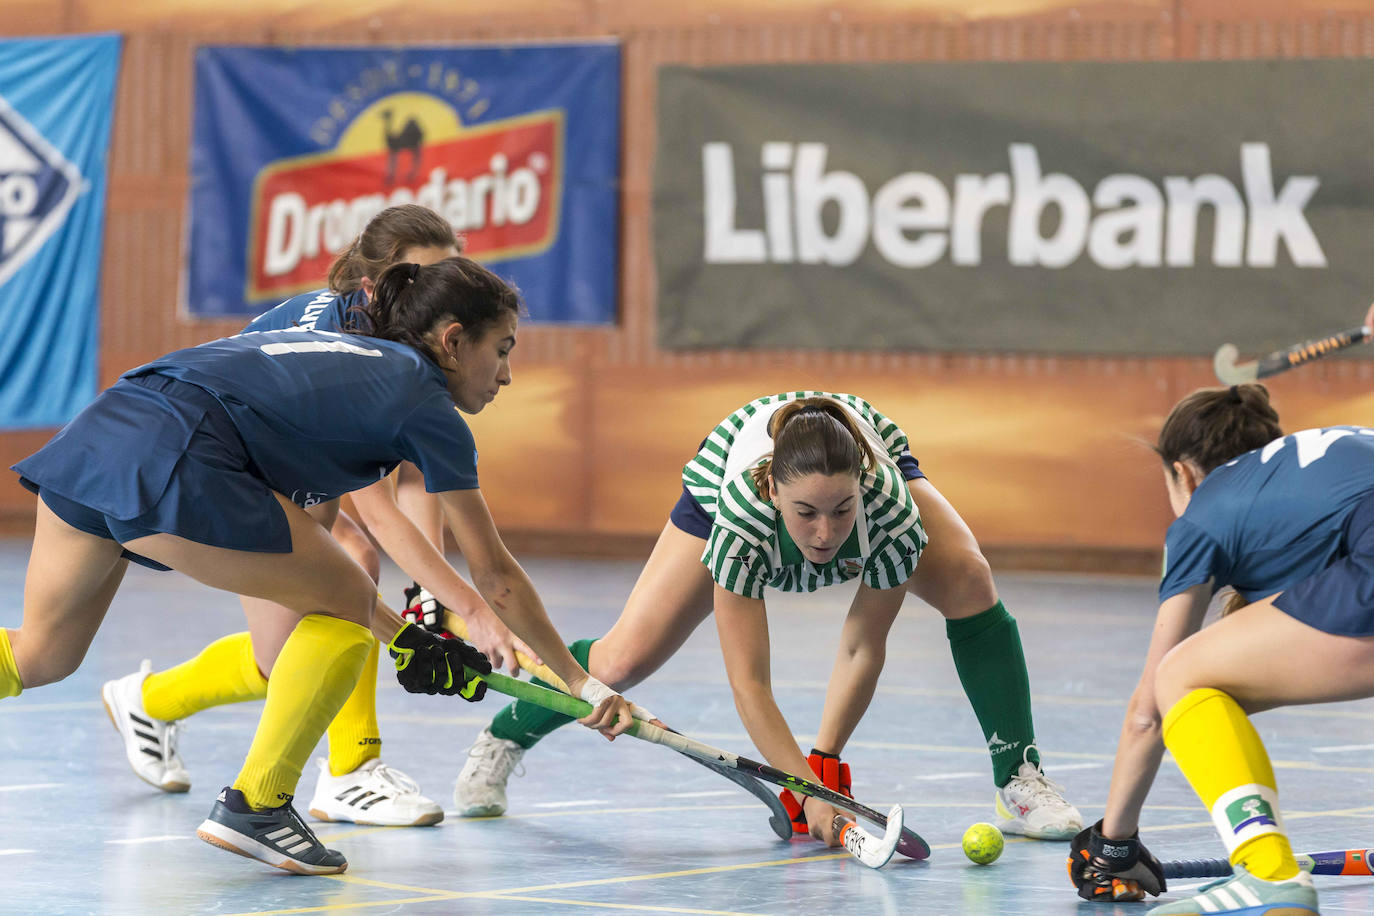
[593, 691]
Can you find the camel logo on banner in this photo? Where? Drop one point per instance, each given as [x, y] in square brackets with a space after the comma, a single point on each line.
[37, 189]
[506, 144]
[498, 184]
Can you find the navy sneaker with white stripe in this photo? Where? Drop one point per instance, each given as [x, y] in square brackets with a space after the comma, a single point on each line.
[276, 836]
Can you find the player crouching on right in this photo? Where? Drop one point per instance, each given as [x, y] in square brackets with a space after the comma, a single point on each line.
[1288, 521]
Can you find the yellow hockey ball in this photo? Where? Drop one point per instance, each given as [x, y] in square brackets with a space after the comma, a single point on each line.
[983, 843]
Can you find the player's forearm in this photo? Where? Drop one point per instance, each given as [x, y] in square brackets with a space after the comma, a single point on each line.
[511, 595]
[1138, 755]
[852, 684]
[769, 730]
[385, 624]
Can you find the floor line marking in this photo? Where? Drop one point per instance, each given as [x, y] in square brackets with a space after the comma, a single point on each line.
[431, 895]
[49, 707]
[638, 907]
[698, 794]
[32, 785]
[149, 839]
[571, 803]
[14, 852]
[1342, 747]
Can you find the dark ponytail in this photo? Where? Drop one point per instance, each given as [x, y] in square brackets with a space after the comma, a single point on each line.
[813, 436]
[409, 300]
[1213, 425]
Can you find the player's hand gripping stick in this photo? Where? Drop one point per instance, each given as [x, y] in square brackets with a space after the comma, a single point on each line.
[909, 843]
[871, 850]
[779, 819]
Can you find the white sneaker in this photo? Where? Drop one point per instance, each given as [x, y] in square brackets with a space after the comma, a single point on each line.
[1031, 805]
[374, 794]
[149, 744]
[481, 787]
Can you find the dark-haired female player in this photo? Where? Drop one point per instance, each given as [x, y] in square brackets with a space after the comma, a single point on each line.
[187, 463]
[798, 491]
[1288, 522]
[353, 783]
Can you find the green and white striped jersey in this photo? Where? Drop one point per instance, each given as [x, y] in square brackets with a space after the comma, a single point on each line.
[749, 547]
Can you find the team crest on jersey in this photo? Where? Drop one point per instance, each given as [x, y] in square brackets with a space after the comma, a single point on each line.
[498, 182]
[38, 187]
[852, 567]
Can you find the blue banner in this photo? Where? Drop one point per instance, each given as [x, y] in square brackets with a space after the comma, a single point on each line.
[56, 99]
[294, 150]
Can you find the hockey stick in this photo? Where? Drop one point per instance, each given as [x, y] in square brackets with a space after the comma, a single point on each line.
[1339, 862]
[910, 843]
[779, 819]
[864, 846]
[1229, 372]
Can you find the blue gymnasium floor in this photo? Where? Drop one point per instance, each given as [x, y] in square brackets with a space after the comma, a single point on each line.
[629, 827]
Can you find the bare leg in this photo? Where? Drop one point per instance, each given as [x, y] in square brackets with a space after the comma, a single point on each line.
[670, 599]
[1255, 658]
[72, 578]
[953, 576]
[271, 623]
[316, 577]
[1264, 658]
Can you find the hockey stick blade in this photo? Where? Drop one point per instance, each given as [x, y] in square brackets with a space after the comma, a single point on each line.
[1338, 862]
[778, 820]
[875, 852]
[910, 845]
[1229, 372]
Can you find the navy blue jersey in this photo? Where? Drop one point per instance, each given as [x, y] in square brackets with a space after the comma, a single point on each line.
[1273, 516]
[322, 414]
[321, 310]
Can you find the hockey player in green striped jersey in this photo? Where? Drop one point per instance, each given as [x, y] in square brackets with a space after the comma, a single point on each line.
[798, 491]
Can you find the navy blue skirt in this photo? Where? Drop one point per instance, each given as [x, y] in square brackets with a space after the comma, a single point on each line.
[155, 455]
[1340, 599]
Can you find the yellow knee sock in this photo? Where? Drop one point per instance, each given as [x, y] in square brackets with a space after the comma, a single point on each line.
[1222, 756]
[354, 737]
[223, 672]
[10, 684]
[317, 667]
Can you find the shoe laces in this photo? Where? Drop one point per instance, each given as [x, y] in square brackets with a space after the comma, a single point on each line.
[1035, 783]
[400, 782]
[504, 758]
[169, 739]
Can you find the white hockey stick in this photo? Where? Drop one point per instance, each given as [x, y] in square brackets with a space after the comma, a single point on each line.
[871, 850]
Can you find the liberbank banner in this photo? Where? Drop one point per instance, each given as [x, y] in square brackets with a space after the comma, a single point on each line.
[294, 150]
[1087, 207]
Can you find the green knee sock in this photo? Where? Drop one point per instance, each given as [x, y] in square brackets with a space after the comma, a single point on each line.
[987, 654]
[524, 722]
